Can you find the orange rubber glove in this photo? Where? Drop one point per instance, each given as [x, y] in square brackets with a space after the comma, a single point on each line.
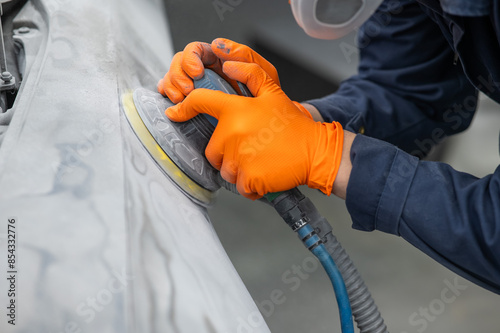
[190, 64]
[264, 143]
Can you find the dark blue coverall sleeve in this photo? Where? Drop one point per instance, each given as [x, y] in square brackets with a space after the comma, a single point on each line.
[409, 92]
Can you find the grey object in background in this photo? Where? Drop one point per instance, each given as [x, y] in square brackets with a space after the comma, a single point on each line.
[104, 241]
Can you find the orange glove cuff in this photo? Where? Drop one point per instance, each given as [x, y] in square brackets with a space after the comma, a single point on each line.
[326, 161]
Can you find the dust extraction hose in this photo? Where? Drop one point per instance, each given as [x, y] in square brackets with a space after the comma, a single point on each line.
[313, 243]
[294, 207]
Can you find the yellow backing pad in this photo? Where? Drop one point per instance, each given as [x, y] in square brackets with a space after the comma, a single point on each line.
[186, 184]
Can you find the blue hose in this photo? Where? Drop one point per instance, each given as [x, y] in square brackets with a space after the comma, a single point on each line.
[312, 242]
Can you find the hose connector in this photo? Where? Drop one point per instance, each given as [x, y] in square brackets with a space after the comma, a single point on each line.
[309, 237]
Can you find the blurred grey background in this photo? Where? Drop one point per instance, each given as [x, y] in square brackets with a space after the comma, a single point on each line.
[404, 282]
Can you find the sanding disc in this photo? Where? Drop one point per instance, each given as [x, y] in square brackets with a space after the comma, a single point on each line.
[168, 146]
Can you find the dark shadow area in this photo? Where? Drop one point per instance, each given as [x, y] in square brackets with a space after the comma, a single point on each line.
[296, 81]
[203, 21]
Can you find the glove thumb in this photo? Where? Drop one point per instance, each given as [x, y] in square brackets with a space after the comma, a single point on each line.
[227, 50]
[198, 101]
[252, 75]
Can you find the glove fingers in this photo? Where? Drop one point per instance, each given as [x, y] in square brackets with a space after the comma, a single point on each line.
[176, 83]
[215, 154]
[255, 78]
[244, 189]
[229, 170]
[195, 57]
[199, 101]
[172, 92]
[227, 50]
[159, 86]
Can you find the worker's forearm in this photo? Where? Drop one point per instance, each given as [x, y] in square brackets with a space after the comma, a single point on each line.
[342, 179]
[313, 111]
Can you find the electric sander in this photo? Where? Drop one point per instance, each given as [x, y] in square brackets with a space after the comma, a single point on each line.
[178, 149]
